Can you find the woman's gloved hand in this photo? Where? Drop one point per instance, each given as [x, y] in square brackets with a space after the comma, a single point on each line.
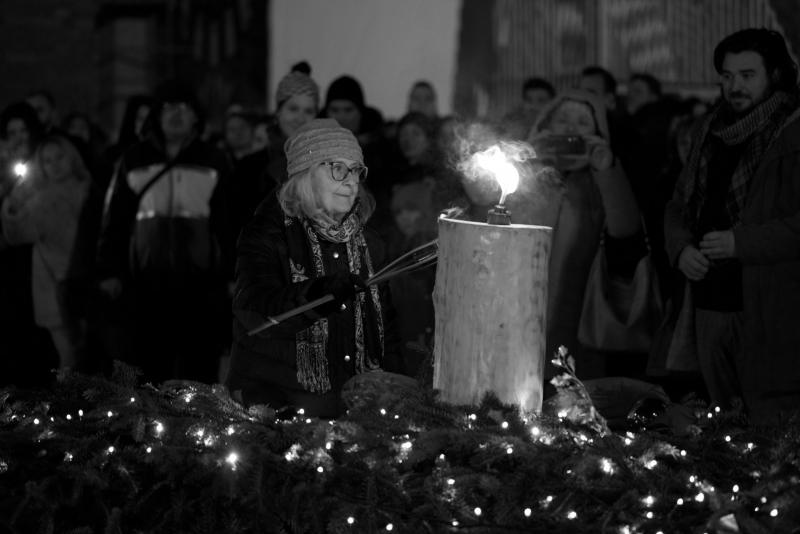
[343, 287]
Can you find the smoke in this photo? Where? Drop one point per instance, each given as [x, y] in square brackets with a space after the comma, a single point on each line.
[464, 140]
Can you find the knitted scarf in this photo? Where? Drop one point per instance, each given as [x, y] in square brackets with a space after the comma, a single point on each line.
[757, 129]
[311, 343]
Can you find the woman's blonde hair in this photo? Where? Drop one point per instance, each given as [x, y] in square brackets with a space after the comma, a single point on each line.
[76, 165]
[299, 198]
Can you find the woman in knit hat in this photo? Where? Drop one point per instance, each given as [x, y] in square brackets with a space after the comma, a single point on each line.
[296, 103]
[308, 244]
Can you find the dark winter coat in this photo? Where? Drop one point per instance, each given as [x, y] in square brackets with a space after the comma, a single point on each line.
[768, 245]
[264, 366]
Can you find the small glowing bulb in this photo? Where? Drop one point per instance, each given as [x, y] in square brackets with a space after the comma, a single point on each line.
[774, 512]
[159, 427]
[679, 501]
[455, 523]
[692, 478]
[149, 450]
[535, 431]
[472, 417]
[301, 411]
[200, 432]
[441, 457]
[231, 430]
[607, 466]
[396, 416]
[549, 498]
[628, 441]
[728, 439]
[750, 446]
[111, 449]
[133, 399]
[651, 464]
[451, 481]
[328, 446]
[572, 514]
[383, 411]
[68, 457]
[232, 458]
[649, 515]
[478, 511]
[320, 469]
[510, 450]
[700, 497]
[735, 488]
[562, 414]
[717, 409]
[69, 417]
[80, 413]
[20, 169]
[389, 526]
[110, 413]
[35, 420]
[683, 452]
[504, 425]
[526, 512]
[406, 446]
[710, 415]
[763, 500]
[649, 500]
[351, 520]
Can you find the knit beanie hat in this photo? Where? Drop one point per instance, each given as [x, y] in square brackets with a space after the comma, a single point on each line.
[345, 88]
[317, 141]
[296, 83]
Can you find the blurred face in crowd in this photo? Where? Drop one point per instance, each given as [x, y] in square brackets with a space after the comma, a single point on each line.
[573, 118]
[422, 99]
[260, 136]
[55, 163]
[18, 139]
[238, 134]
[639, 94]
[79, 127]
[335, 197]
[595, 84]
[534, 100]
[295, 112]
[413, 142]
[141, 117]
[178, 121]
[346, 113]
[744, 80]
[43, 109]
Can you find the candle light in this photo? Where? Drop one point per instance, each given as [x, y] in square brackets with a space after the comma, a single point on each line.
[494, 161]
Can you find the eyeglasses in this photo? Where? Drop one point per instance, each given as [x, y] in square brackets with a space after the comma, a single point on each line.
[339, 170]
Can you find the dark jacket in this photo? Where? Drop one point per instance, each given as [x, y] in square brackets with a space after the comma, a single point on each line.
[179, 228]
[768, 245]
[264, 366]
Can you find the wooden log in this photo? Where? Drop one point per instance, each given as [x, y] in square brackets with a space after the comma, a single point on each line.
[491, 312]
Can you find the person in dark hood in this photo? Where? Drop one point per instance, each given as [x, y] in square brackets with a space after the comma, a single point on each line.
[165, 243]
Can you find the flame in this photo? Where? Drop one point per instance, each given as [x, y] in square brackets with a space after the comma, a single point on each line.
[494, 161]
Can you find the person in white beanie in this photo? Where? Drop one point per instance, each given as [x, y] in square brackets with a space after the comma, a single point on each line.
[308, 242]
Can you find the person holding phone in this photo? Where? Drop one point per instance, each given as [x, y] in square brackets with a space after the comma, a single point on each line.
[572, 135]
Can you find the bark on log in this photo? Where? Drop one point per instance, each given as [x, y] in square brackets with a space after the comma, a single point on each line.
[491, 312]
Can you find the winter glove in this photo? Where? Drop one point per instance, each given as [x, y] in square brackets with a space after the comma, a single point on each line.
[343, 287]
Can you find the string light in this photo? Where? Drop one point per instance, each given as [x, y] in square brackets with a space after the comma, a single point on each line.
[441, 457]
[649, 515]
[572, 514]
[607, 466]
[351, 520]
[504, 425]
[320, 469]
[700, 497]
[510, 450]
[159, 428]
[35, 420]
[110, 413]
[111, 449]
[451, 481]
[232, 459]
[301, 411]
[774, 512]
[679, 501]
[535, 431]
[455, 522]
[526, 512]
[406, 446]
[80, 413]
[68, 457]
[133, 399]
[649, 500]
[231, 430]
[477, 511]
[389, 526]
[149, 450]
[383, 411]
[728, 439]
[69, 417]
[735, 488]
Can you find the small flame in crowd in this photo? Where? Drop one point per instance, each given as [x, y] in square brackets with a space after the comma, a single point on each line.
[20, 170]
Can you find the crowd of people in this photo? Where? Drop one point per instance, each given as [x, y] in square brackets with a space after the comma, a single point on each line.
[166, 248]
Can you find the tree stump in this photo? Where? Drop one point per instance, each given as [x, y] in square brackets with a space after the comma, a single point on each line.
[490, 299]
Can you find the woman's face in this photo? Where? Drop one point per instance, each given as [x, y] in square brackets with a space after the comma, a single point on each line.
[573, 118]
[55, 164]
[238, 134]
[295, 112]
[18, 138]
[260, 136]
[413, 142]
[336, 198]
